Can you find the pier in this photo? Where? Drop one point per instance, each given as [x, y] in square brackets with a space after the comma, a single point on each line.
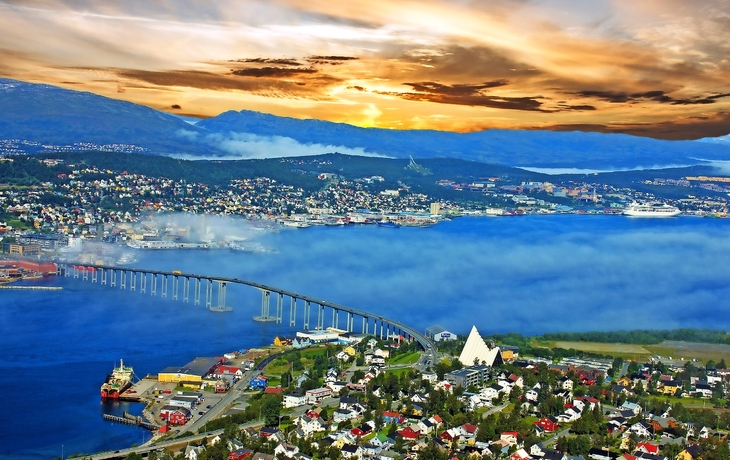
[33, 288]
[129, 419]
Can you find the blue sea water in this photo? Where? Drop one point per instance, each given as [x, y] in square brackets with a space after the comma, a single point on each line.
[529, 274]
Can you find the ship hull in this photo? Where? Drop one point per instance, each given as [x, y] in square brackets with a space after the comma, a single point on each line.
[652, 214]
[652, 210]
[117, 382]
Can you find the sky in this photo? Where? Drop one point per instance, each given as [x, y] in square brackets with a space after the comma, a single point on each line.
[655, 68]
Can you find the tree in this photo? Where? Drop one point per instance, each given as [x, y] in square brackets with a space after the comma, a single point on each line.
[432, 452]
[271, 409]
[486, 431]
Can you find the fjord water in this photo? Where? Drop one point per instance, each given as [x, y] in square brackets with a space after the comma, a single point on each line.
[529, 274]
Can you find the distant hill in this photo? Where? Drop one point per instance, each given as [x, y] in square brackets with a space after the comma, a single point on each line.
[53, 115]
[506, 147]
[58, 116]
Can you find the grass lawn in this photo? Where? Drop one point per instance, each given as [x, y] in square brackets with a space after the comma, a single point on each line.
[398, 372]
[312, 352]
[409, 358]
[277, 369]
[675, 349]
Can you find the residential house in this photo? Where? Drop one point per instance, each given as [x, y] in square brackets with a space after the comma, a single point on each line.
[671, 387]
[316, 395]
[351, 451]
[548, 424]
[240, 454]
[520, 454]
[565, 383]
[192, 452]
[340, 415]
[642, 429]
[647, 448]
[633, 407]
[294, 400]
[287, 450]
[271, 433]
[409, 432]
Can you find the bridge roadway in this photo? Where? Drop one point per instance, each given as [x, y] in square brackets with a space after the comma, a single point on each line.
[425, 342]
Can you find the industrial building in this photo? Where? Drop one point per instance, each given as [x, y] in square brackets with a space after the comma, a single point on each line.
[192, 372]
[438, 333]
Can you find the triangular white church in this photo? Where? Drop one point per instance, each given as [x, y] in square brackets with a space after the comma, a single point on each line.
[477, 350]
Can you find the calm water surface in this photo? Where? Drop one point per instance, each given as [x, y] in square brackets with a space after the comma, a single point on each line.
[529, 274]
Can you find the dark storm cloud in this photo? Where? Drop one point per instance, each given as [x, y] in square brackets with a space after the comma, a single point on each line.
[456, 62]
[655, 96]
[291, 62]
[454, 90]
[475, 100]
[330, 60]
[711, 125]
[311, 87]
[476, 95]
[273, 72]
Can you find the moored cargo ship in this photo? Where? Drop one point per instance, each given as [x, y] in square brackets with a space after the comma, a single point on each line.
[117, 382]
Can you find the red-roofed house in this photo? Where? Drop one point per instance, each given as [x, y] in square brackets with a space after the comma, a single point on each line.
[520, 454]
[273, 390]
[648, 448]
[409, 433]
[233, 370]
[468, 430]
[549, 424]
[510, 437]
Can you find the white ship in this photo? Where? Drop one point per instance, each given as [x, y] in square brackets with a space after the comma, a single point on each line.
[651, 210]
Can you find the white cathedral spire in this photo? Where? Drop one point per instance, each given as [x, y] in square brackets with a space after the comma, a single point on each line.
[476, 350]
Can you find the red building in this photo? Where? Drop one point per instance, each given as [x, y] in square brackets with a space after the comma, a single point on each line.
[409, 433]
[240, 454]
[549, 424]
[175, 415]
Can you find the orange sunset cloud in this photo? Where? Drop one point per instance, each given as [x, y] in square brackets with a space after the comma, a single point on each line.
[652, 68]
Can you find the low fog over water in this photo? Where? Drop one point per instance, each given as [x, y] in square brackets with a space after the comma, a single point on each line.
[531, 275]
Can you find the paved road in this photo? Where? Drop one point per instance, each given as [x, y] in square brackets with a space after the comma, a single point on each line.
[494, 410]
[559, 434]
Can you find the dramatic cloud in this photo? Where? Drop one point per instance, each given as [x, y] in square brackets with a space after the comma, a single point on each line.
[709, 125]
[612, 63]
[273, 72]
[657, 96]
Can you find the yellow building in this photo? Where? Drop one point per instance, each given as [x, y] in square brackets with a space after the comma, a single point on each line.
[192, 373]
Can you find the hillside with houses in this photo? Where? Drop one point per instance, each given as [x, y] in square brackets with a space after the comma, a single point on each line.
[378, 398]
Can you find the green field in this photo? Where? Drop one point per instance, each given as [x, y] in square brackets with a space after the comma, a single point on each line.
[409, 358]
[675, 349]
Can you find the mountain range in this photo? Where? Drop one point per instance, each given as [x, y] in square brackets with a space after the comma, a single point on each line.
[53, 115]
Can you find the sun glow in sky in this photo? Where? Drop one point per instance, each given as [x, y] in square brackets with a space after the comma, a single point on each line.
[657, 68]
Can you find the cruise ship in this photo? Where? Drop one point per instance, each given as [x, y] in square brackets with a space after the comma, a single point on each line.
[651, 210]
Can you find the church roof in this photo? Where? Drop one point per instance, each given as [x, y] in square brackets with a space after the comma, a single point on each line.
[475, 349]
